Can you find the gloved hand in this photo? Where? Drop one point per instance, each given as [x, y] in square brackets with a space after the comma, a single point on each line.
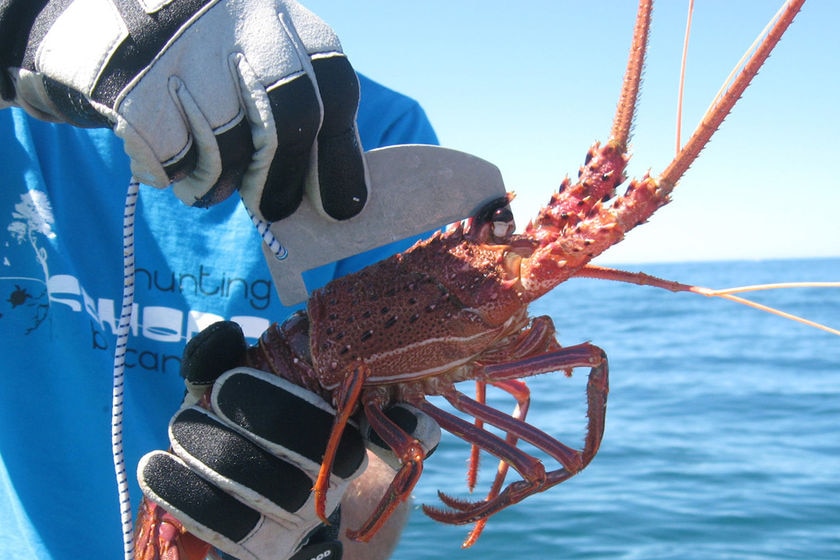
[212, 95]
[240, 474]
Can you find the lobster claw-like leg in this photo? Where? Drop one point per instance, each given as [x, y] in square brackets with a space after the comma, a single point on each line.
[411, 454]
[535, 479]
[519, 390]
[346, 399]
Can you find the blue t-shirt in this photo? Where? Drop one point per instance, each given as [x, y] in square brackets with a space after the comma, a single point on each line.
[62, 192]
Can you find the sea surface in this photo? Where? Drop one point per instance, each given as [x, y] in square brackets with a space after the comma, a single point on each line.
[722, 435]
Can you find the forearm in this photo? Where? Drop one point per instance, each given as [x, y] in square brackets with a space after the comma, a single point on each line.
[24, 25]
[361, 498]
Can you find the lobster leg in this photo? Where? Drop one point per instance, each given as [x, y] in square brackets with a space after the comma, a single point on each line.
[346, 399]
[529, 467]
[411, 455]
[519, 390]
[537, 339]
[475, 451]
[571, 461]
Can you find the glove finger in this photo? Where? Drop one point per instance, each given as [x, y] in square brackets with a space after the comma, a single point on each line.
[213, 166]
[199, 166]
[284, 119]
[287, 420]
[215, 350]
[341, 186]
[235, 148]
[237, 465]
[337, 185]
[215, 516]
[203, 508]
[296, 113]
[413, 421]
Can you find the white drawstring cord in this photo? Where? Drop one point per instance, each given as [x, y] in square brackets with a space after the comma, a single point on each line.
[123, 330]
[268, 238]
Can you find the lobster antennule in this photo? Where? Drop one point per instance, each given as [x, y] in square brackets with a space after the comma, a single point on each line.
[569, 229]
[578, 224]
[647, 195]
[629, 97]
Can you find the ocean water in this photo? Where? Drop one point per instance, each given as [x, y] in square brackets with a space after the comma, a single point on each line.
[722, 435]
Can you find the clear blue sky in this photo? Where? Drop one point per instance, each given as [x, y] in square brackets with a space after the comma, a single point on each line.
[530, 85]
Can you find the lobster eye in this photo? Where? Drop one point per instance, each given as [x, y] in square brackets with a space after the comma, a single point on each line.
[495, 221]
[503, 223]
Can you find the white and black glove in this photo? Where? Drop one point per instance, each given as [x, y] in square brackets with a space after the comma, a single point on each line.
[240, 475]
[211, 95]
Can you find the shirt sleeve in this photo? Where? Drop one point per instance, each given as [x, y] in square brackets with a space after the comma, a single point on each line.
[387, 117]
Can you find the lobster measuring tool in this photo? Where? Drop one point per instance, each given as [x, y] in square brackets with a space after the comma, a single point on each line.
[413, 189]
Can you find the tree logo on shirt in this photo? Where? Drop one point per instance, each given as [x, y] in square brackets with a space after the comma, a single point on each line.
[31, 224]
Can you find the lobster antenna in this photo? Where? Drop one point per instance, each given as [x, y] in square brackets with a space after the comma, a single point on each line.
[681, 88]
[727, 294]
[722, 91]
[623, 122]
[642, 279]
[732, 91]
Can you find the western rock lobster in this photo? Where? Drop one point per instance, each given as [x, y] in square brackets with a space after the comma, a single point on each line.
[455, 307]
